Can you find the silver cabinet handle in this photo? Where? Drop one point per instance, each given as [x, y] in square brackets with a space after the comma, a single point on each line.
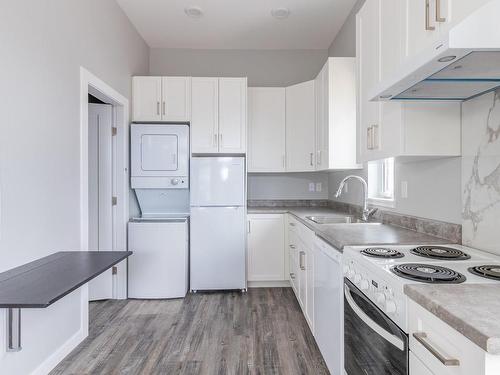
[249, 226]
[292, 275]
[292, 247]
[311, 158]
[375, 137]
[158, 108]
[369, 138]
[215, 140]
[438, 12]
[421, 337]
[284, 161]
[428, 26]
[220, 139]
[318, 158]
[302, 255]
[163, 109]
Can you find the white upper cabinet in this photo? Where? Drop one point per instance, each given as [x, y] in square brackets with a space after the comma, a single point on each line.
[204, 115]
[176, 103]
[300, 127]
[266, 129]
[335, 91]
[407, 130]
[232, 115]
[147, 100]
[165, 99]
[218, 115]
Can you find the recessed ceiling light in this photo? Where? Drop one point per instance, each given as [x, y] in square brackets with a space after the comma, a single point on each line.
[280, 13]
[193, 12]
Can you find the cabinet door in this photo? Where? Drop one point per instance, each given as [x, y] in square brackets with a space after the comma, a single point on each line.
[452, 12]
[266, 129]
[266, 247]
[146, 102]
[422, 30]
[204, 115]
[232, 115]
[367, 52]
[176, 99]
[310, 288]
[321, 88]
[300, 127]
[293, 261]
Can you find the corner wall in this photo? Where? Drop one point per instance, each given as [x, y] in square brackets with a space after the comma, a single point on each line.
[44, 43]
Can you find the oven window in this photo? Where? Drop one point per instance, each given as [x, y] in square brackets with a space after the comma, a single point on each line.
[373, 344]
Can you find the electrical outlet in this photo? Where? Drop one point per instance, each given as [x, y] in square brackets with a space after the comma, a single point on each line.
[404, 189]
[311, 186]
[319, 187]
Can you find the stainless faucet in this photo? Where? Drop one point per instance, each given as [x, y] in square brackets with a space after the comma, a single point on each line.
[367, 212]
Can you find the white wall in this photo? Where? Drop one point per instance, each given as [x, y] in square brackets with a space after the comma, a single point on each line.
[344, 44]
[44, 43]
[262, 67]
[287, 186]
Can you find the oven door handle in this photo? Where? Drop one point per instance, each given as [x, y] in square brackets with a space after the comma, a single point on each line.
[394, 340]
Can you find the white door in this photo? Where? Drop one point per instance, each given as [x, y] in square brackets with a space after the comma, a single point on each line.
[422, 30]
[232, 115]
[300, 127]
[217, 248]
[266, 129]
[147, 100]
[100, 193]
[204, 115]
[218, 181]
[266, 247]
[176, 99]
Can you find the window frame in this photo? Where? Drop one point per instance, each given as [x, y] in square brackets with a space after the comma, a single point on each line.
[384, 192]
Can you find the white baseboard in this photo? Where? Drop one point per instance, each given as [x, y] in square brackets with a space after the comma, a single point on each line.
[269, 284]
[51, 362]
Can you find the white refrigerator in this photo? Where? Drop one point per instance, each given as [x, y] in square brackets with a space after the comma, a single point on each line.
[218, 251]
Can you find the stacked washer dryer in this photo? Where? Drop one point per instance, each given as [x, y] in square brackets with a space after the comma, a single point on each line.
[159, 237]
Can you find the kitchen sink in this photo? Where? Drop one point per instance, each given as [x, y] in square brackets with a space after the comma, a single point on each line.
[338, 220]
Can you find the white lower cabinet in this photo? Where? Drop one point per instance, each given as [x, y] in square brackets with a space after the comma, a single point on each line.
[442, 349]
[266, 247]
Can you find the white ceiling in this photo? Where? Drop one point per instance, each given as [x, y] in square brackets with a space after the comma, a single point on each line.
[238, 24]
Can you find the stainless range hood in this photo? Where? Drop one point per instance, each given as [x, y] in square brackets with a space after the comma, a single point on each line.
[464, 64]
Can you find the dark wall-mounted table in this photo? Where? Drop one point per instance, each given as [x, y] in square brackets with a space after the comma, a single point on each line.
[40, 283]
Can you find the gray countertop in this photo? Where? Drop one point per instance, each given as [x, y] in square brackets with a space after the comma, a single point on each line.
[340, 235]
[474, 314]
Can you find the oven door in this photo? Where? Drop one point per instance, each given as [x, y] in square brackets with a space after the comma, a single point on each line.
[373, 344]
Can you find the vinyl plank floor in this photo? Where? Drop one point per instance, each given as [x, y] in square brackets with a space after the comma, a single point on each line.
[260, 332]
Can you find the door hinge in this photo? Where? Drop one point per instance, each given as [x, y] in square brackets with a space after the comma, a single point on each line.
[114, 201]
[114, 131]
[114, 270]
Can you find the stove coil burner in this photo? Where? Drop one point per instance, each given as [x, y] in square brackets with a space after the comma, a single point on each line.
[489, 271]
[382, 252]
[428, 273]
[440, 252]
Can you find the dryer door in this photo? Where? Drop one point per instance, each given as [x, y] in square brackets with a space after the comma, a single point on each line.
[159, 155]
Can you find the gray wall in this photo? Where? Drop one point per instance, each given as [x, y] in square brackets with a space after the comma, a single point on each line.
[434, 189]
[262, 67]
[287, 186]
[44, 43]
[344, 44]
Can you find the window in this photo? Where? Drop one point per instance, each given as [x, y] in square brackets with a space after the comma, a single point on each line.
[381, 182]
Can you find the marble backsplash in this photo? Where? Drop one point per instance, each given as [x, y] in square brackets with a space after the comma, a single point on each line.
[481, 172]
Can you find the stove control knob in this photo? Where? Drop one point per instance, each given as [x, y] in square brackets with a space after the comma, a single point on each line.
[390, 306]
[174, 181]
[380, 298]
[365, 285]
[357, 278]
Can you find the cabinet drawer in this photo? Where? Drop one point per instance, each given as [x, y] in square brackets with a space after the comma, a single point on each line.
[434, 342]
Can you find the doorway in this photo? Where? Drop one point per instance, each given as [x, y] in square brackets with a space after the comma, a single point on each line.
[104, 180]
[101, 200]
